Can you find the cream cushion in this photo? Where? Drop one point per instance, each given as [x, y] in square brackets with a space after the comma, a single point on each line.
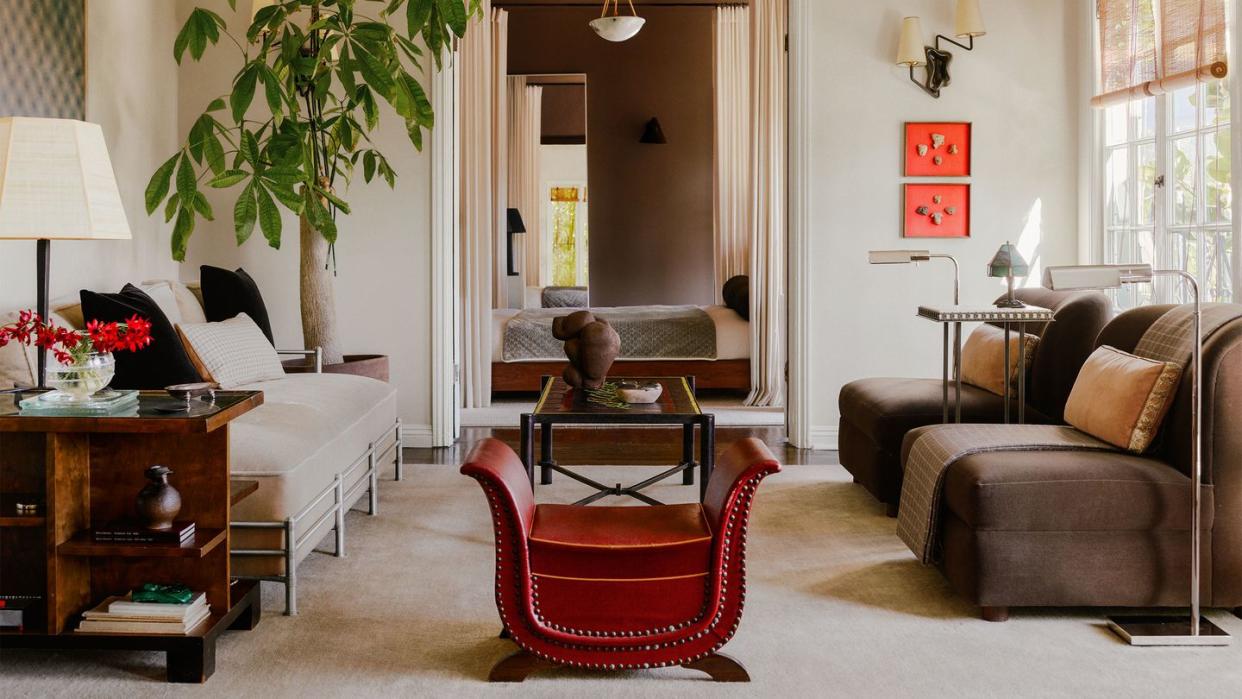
[309, 428]
[1122, 399]
[983, 358]
[232, 352]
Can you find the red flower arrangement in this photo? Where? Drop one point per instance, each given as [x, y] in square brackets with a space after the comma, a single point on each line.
[69, 345]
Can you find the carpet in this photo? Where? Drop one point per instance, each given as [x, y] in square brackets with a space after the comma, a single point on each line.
[836, 606]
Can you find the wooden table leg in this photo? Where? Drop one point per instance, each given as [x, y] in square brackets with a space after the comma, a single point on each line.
[528, 446]
[192, 661]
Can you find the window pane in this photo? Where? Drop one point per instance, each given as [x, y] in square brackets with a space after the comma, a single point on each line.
[1185, 109]
[1146, 184]
[1145, 113]
[1183, 165]
[1215, 103]
[1218, 199]
[1116, 126]
[1116, 176]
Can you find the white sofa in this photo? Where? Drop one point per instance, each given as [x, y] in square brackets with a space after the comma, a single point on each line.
[315, 448]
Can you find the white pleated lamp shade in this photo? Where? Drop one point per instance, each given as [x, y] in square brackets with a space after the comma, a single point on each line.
[618, 27]
[969, 20]
[910, 50]
[56, 182]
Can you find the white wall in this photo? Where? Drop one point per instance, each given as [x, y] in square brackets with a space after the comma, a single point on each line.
[1019, 87]
[131, 92]
[383, 251]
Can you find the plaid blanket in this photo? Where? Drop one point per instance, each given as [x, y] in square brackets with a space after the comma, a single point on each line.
[647, 332]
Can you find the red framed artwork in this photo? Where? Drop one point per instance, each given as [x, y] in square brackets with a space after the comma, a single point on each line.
[936, 210]
[937, 149]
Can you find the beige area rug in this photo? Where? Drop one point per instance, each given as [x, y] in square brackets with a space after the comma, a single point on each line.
[729, 412]
[837, 607]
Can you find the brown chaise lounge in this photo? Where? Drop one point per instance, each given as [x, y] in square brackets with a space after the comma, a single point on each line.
[877, 413]
[1104, 529]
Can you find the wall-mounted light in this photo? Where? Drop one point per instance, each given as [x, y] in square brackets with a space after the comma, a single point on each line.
[911, 51]
[653, 133]
[515, 226]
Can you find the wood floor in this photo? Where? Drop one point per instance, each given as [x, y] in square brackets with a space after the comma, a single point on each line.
[630, 445]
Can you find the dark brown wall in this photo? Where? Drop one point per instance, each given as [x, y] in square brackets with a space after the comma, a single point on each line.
[651, 206]
[564, 114]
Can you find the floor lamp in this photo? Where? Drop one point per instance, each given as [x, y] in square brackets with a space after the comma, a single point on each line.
[1150, 630]
[56, 183]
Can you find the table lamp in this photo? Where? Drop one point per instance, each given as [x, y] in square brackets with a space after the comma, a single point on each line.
[1160, 630]
[56, 183]
[1008, 263]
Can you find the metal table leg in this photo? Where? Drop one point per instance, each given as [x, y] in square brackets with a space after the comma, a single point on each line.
[1021, 373]
[546, 461]
[687, 453]
[707, 457]
[528, 446]
[957, 372]
[1007, 374]
[944, 360]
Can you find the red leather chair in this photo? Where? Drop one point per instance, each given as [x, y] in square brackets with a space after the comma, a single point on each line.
[620, 588]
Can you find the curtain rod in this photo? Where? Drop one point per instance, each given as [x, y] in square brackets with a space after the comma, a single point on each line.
[1204, 73]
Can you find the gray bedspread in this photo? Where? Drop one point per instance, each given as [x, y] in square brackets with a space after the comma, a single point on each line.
[647, 332]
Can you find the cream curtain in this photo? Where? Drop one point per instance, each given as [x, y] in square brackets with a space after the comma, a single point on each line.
[525, 130]
[480, 140]
[768, 97]
[1149, 47]
[732, 182]
[500, 154]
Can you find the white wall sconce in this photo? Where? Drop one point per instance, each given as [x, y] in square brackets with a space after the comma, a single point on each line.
[911, 51]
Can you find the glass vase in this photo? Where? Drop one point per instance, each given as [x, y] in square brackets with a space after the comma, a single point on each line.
[81, 378]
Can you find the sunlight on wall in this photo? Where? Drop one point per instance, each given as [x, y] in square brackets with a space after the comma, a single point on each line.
[1030, 242]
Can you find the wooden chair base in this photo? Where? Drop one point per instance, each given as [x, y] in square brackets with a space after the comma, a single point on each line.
[995, 614]
[523, 664]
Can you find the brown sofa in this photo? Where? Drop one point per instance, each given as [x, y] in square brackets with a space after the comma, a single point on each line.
[1037, 529]
[877, 413]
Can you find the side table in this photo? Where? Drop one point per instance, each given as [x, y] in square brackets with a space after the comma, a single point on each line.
[1007, 317]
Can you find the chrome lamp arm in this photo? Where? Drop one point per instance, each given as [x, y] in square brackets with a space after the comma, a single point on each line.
[316, 354]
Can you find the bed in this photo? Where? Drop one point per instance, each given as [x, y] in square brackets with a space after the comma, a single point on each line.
[711, 343]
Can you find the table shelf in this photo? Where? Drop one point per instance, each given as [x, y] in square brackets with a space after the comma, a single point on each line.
[205, 540]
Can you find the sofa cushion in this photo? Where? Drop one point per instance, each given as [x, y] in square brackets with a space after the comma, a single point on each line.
[227, 294]
[983, 358]
[164, 362]
[232, 352]
[886, 409]
[1122, 399]
[620, 543]
[1069, 491]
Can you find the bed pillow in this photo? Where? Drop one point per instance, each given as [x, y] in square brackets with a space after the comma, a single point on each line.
[162, 363]
[1122, 399]
[227, 294]
[736, 293]
[983, 358]
[232, 352]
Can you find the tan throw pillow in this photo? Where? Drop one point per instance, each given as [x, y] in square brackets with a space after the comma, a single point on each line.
[232, 353]
[1122, 399]
[983, 358]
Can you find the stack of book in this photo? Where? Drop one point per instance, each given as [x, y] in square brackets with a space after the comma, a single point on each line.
[181, 533]
[122, 615]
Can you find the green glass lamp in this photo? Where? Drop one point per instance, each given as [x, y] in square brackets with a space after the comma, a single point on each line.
[1008, 263]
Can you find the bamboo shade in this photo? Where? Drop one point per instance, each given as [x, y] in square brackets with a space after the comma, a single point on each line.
[1150, 47]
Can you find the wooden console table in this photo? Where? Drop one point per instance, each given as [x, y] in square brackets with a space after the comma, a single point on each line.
[85, 472]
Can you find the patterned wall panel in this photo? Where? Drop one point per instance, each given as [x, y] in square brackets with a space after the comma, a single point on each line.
[43, 58]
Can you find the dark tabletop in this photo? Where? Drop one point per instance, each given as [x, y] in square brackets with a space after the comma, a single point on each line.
[677, 401]
[154, 413]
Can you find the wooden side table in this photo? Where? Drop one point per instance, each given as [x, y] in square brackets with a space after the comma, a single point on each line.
[559, 404]
[85, 472]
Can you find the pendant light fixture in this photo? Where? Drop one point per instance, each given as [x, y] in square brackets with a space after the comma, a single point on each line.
[617, 27]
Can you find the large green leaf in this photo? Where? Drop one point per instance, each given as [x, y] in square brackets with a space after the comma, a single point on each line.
[269, 218]
[187, 182]
[228, 178]
[160, 182]
[245, 213]
[214, 152]
[181, 234]
[243, 92]
[454, 14]
[377, 75]
[416, 15]
[203, 207]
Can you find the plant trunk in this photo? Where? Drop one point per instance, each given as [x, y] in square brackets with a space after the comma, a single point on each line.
[319, 327]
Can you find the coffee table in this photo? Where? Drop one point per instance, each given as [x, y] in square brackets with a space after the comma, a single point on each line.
[560, 404]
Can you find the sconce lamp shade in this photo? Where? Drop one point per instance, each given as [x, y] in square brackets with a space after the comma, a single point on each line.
[1078, 277]
[1008, 262]
[910, 51]
[969, 20]
[653, 133]
[516, 225]
[56, 182]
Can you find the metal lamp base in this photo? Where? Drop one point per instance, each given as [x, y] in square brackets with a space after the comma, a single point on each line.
[1167, 631]
[1010, 303]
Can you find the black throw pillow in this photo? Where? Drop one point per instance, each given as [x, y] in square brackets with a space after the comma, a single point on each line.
[736, 293]
[162, 363]
[227, 294]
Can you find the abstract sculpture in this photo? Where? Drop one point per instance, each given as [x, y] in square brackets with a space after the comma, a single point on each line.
[591, 345]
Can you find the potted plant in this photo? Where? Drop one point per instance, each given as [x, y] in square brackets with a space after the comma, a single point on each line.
[324, 66]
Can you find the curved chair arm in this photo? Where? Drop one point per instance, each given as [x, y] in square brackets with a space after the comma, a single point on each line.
[493, 463]
[746, 459]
